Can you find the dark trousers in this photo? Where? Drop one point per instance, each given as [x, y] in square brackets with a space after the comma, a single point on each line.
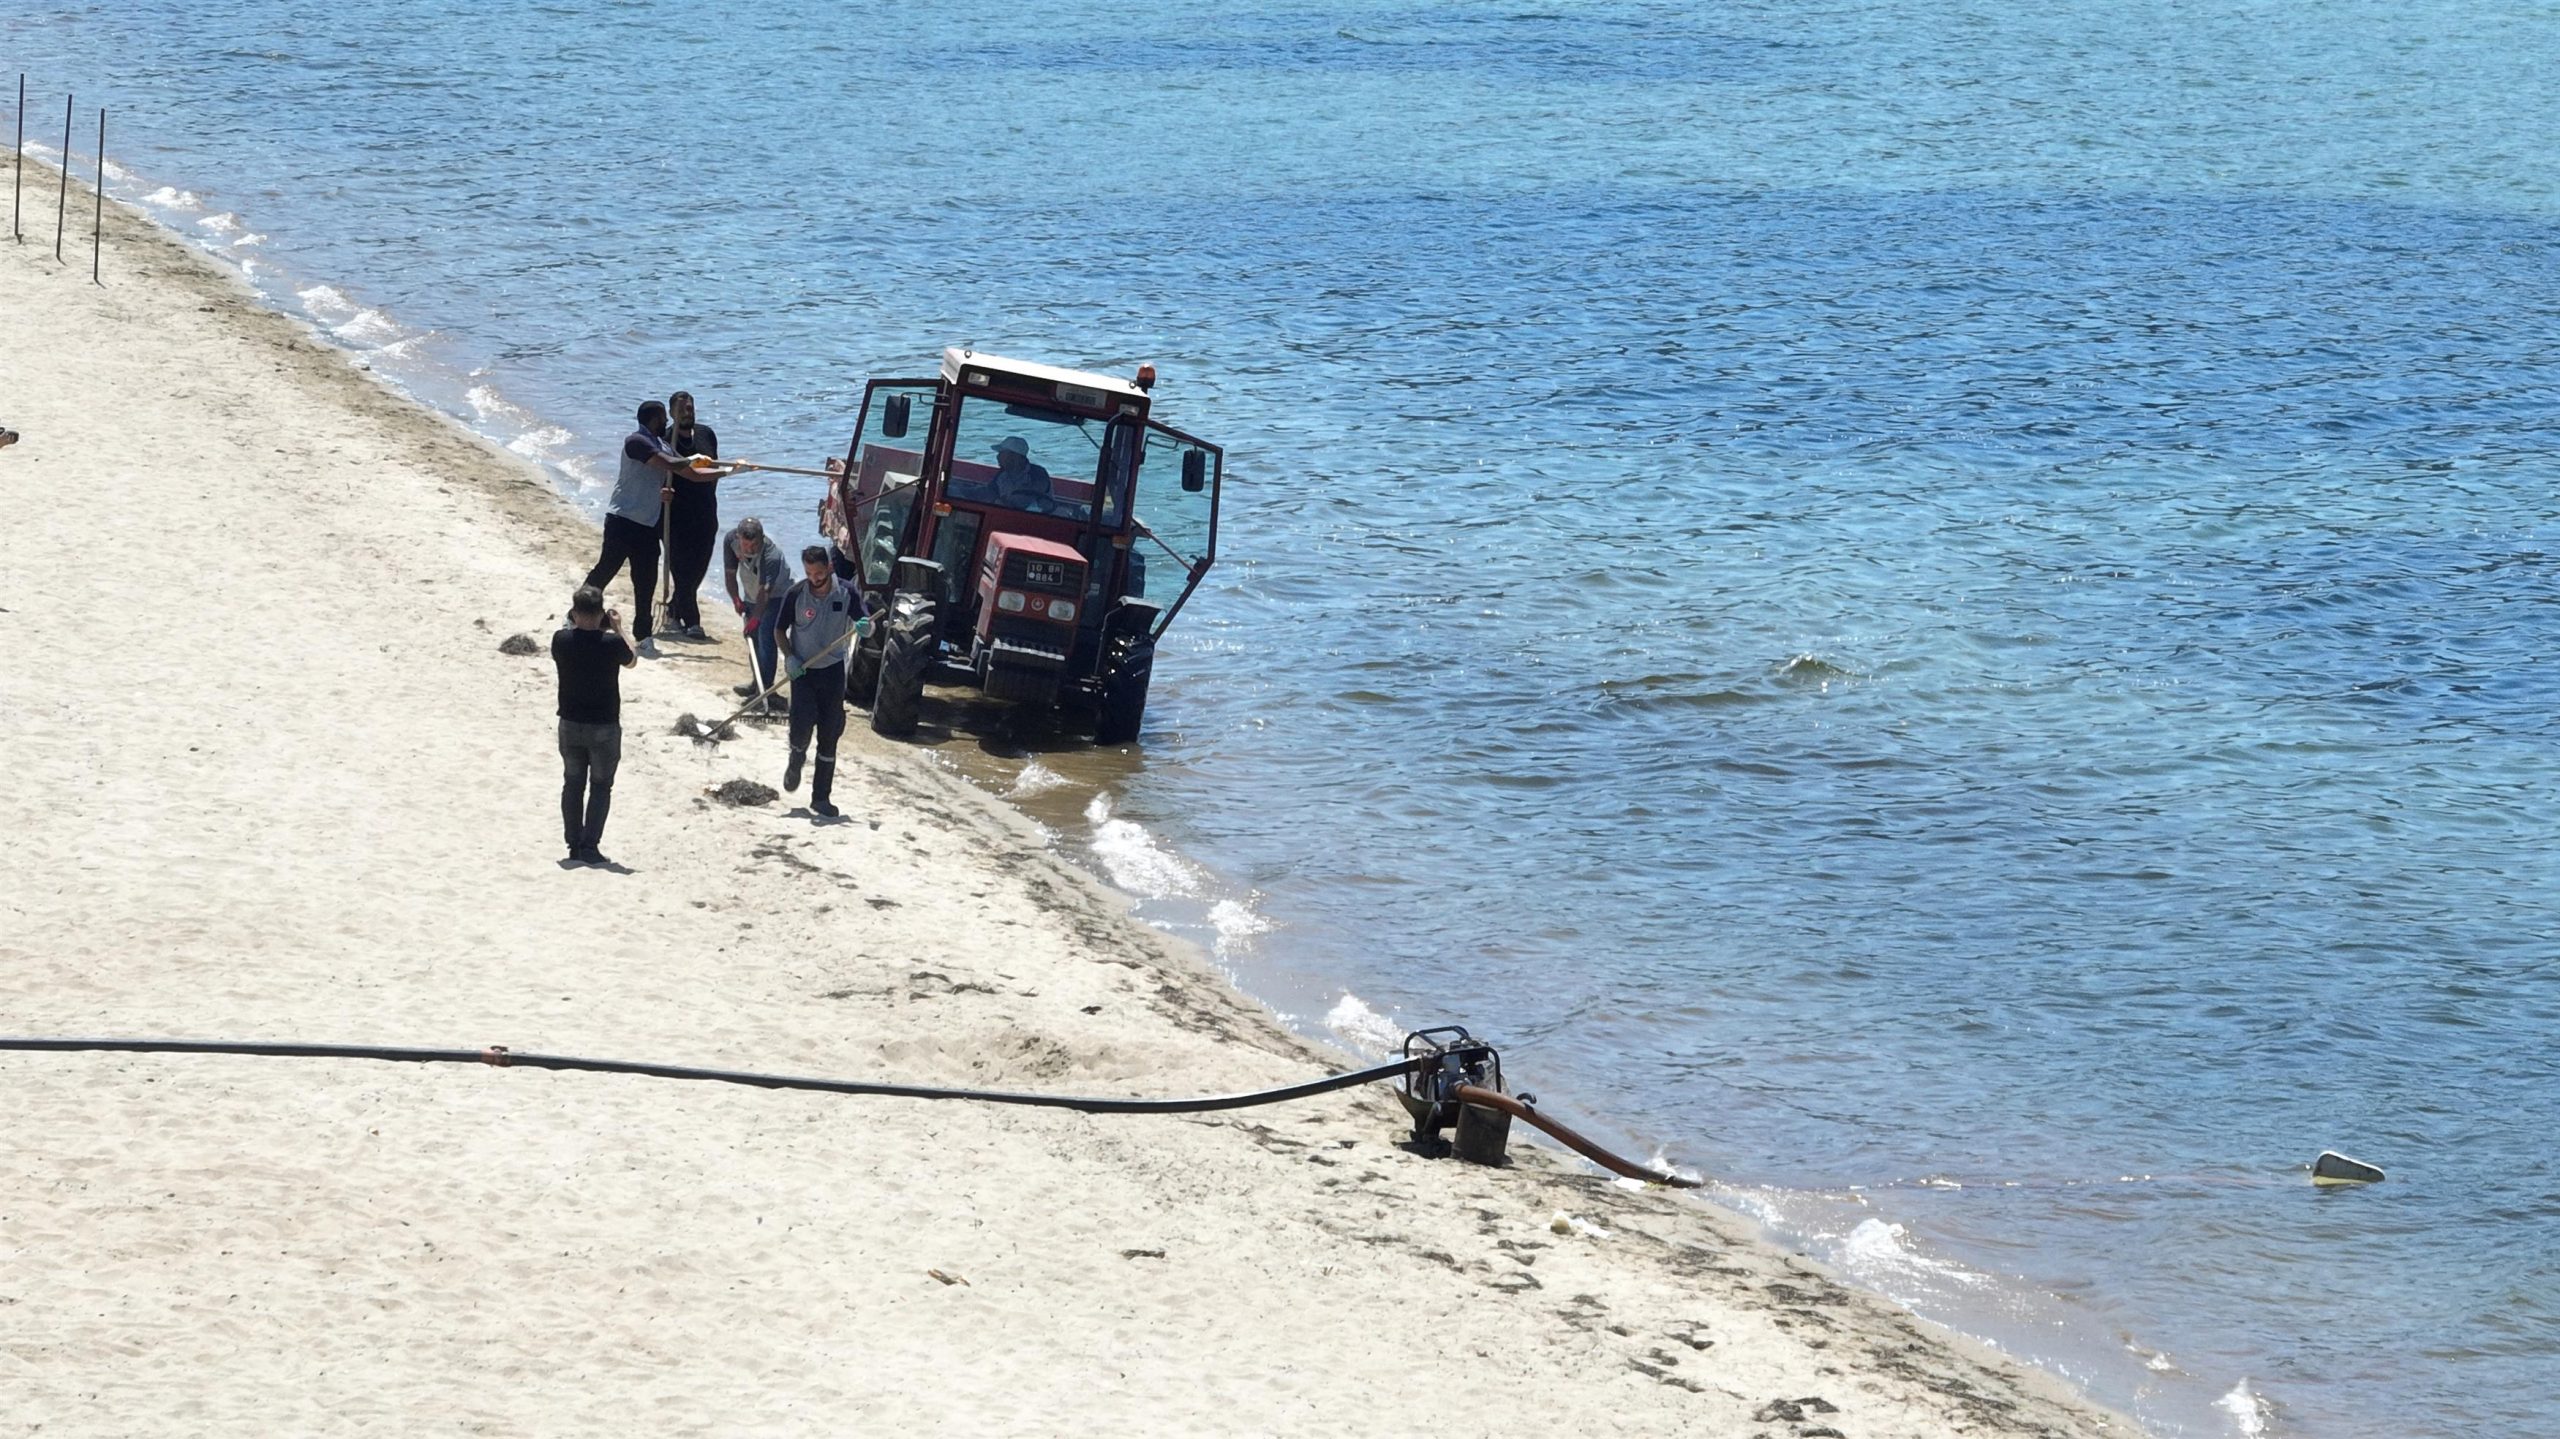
[693, 529]
[766, 617]
[817, 704]
[630, 540]
[589, 754]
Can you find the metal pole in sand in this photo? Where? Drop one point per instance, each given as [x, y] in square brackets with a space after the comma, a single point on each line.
[62, 198]
[98, 222]
[18, 187]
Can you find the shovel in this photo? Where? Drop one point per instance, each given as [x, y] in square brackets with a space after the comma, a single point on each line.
[714, 733]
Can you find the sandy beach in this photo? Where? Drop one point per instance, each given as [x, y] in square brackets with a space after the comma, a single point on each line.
[273, 779]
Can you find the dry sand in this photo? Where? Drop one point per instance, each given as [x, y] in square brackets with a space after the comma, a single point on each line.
[269, 777]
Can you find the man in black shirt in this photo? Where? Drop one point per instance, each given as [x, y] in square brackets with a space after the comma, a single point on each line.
[694, 523]
[588, 652]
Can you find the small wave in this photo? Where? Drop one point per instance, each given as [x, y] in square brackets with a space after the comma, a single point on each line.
[1811, 668]
[326, 302]
[1036, 778]
[1235, 923]
[1667, 1165]
[221, 222]
[1133, 859]
[249, 239]
[1355, 1023]
[488, 404]
[533, 444]
[366, 326]
[2248, 1412]
[173, 199]
[115, 171]
[1878, 1246]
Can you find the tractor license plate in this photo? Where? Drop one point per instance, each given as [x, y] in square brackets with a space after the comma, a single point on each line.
[1044, 572]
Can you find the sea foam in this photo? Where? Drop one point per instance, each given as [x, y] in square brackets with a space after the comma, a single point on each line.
[2248, 1412]
[1135, 861]
[1353, 1022]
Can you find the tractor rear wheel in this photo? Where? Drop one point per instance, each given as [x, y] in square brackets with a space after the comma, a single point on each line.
[1124, 692]
[899, 692]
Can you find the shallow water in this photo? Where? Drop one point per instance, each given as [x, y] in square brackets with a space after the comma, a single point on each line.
[1941, 611]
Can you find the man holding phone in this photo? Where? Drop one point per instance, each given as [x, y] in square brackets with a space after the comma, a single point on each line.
[589, 653]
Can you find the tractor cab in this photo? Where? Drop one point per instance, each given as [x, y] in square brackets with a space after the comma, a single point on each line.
[1023, 529]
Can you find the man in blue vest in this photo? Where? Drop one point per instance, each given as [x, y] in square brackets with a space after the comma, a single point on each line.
[641, 491]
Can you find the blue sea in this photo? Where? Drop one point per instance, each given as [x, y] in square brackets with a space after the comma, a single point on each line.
[1944, 611]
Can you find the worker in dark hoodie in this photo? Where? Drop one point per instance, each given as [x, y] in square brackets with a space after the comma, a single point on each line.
[693, 522]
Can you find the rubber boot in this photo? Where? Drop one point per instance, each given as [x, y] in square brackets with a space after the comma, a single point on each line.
[822, 785]
[791, 771]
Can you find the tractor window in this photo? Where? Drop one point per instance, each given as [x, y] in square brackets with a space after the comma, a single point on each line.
[1123, 441]
[880, 459]
[1177, 525]
[880, 473]
[1026, 458]
[879, 533]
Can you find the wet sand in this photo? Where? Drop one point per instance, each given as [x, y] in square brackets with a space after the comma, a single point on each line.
[271, 778]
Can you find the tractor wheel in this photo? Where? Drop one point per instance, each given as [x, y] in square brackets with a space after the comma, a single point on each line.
[1124, 693]
[861, 674]
[899, 692]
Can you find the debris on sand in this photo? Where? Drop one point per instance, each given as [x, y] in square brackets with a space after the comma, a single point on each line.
[691, 728]
[743, 791]
[518, 644]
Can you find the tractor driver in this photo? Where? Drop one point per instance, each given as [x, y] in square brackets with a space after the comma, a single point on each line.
[1017, 483]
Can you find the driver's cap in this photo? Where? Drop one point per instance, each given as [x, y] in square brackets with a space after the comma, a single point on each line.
[1013, 445]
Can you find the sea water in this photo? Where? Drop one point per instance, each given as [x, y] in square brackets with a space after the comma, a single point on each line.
[1945, 611]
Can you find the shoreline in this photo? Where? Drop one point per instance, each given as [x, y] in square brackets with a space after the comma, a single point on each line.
[976, 867]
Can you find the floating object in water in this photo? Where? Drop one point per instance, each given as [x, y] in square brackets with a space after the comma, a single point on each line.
[2335, 1168]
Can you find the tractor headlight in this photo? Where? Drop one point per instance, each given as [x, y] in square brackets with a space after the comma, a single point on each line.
[1062, 610]
[1010, 601]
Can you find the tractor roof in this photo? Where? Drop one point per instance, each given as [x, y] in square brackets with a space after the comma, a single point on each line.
[955, 357]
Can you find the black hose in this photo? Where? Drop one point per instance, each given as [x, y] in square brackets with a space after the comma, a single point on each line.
[506, 1058]
[502, 1057]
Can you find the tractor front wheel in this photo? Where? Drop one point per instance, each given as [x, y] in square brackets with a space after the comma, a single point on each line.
[1124, 693]
[861, 673]
[899, 692]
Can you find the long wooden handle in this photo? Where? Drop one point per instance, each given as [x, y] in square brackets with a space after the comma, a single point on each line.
[853, 632]
[738, 465]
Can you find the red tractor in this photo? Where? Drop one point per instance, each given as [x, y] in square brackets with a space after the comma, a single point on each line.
[1029, 534]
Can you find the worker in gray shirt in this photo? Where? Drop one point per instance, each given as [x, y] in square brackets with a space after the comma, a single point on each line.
[757, 575]
[641, 489]
[821, 618]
